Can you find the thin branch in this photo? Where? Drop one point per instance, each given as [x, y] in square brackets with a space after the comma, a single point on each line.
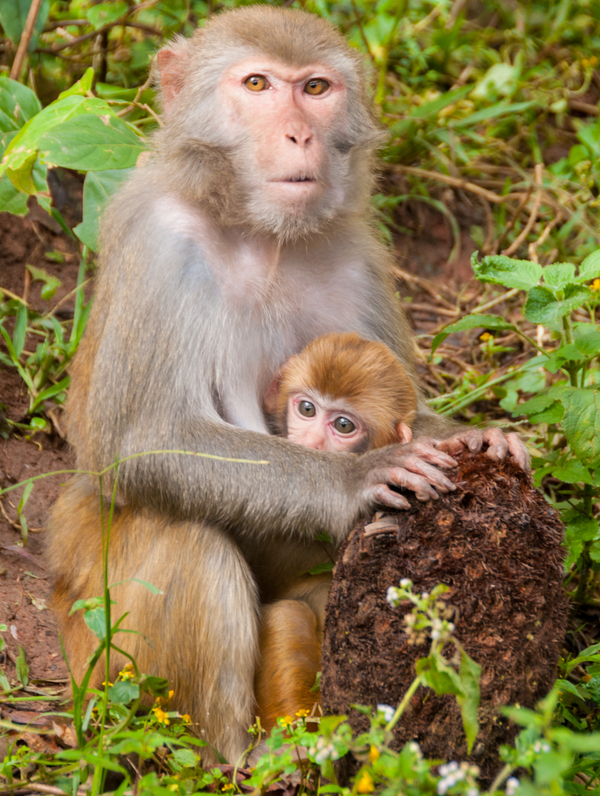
[25, 39]
[458, 183]
[538, 171]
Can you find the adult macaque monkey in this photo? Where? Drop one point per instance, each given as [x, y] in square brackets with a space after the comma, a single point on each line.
[245, 236]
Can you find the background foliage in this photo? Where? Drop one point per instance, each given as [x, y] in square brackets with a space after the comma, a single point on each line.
[492, 113]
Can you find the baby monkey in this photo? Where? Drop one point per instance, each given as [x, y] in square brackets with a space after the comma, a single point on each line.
[341, 393]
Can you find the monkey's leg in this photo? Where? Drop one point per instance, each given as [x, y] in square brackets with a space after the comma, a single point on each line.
[201, 633]
[290, 648]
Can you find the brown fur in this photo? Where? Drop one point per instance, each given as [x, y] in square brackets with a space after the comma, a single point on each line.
[206, 286]
[364, 372]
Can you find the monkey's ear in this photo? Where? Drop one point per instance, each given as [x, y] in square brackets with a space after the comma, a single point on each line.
[404, 433]
[272, 393]
[171, 63]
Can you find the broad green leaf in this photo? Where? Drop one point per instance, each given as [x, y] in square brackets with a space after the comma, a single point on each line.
[499, 79]
[590, 267]
[553, 414]
[12, 200]
[13, 15]
[543, 307]
[472, 322]
[82, 86]
[105, 13]
[185, 757]
[26, 141]
[581, 423]
[571, 472]
[577, 741]
[95, 619]
[537, 404]
[98, 188]
[559, 275]
[500, 270]
[91, 143]
[495, 111]
[439, 676]
[18, 104]
[589, 344]
[123, 692]
[50, 282]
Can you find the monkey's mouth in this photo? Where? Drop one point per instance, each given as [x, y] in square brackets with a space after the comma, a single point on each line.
[297, 179]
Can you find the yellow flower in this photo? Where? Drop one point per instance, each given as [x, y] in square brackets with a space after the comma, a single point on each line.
[285, 721]
[127, 672]
[227, 786]
[595, 285]
[186, 718]
[301, 713]
[374, 754]
[109, 683]
[365, 783]
[486, 336]
[161, 716]
[174, 786]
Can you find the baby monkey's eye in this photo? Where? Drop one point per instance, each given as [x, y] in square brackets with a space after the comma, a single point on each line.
[256, 83]
[306, 408]
[316, 86]
[343, 425]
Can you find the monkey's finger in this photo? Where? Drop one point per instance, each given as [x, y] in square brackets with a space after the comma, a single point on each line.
[417, 483]
[498, 445]
[383, 495]
[436, 478]
[518, 451]
[471, 439]
[426, 451]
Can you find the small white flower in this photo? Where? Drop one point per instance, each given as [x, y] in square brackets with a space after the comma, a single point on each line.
[452, 766]
[392, 596]
[450, 626]
[512, 783]
[425, 595]
[387, 711]
[435, 634]
[473, 792]
[406, 583]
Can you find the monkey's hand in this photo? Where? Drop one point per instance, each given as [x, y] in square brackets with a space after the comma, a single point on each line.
[499, 445]
[408, 466]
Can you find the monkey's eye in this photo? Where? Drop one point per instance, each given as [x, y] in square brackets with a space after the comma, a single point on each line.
[344, 426]
[316, 86]
[256, 83]
[306, 409]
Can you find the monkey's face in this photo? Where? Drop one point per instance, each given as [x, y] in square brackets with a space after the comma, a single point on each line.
[287, 126]
[324, 424]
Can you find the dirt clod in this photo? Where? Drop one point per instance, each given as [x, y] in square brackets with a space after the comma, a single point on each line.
[497, 544]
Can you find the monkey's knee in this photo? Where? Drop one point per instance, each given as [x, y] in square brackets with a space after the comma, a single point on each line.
[290, 656]
[314, 591]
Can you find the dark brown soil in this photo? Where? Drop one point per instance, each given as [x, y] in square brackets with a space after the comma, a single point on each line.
[497, 544]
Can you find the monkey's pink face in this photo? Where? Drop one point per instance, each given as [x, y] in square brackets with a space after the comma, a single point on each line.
[286, 115]
[323, 424]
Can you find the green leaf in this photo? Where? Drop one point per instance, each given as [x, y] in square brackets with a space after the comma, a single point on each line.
[91, 143]
[105, 13]
[439, 676]
[493, 112]
[471, 322]
[50, 282]
[18, 104]
[4, 684]
[97, 190]
[581, 423]
[95, 619]
[185, 757]
[51, 391]
[559, 275]
[82, 86]
[543, 307]
[25, 143]
[22, 668]
[12, 200]
[590, 267]
[572, 472]
[469, 672]
[500, 270]
[589, 344]
[20, 330]
[123, 692]
[13, 15]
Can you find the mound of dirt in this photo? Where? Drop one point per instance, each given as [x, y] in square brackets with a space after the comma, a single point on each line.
[497, 544]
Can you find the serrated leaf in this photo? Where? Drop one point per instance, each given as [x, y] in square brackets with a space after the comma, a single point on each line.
[590, 267]
[543, 307]
[469, 672]
[97, 190]
[581, 423]
[559, 275]
[501, 270]
[91, 143]
[589, 344]
[553, 414]
[185, 757]
[471, 322]
[571, 472]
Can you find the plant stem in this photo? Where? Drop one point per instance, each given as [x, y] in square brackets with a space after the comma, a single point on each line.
[403, 704]
[500, 778]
